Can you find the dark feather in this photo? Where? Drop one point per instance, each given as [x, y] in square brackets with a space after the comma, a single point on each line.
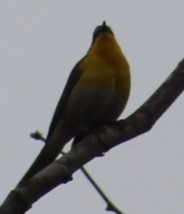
[72, 80]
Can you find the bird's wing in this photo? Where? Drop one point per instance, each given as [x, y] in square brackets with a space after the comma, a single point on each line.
[72, 80]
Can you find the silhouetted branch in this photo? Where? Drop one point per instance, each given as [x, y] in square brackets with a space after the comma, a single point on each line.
[100, 141]
[110, 206]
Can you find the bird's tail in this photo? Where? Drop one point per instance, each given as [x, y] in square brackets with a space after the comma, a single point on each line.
[46, 156]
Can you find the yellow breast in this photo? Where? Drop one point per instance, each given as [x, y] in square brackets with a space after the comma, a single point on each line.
[105, 66]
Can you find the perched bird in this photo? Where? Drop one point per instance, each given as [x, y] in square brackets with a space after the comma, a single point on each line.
[96, 93]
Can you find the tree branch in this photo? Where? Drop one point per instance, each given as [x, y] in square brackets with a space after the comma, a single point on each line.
[95, 144]
[110, 206]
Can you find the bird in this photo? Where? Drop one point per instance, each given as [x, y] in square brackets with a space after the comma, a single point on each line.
[96, 93]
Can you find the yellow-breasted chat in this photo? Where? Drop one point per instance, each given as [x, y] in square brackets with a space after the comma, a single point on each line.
[96, 93]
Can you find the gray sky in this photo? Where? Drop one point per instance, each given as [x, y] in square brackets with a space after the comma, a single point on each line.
[40, 42]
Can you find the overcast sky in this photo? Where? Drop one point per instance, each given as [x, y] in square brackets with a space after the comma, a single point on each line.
[40, 42]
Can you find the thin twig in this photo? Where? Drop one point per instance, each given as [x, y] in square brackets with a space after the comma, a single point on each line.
[110, 205]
